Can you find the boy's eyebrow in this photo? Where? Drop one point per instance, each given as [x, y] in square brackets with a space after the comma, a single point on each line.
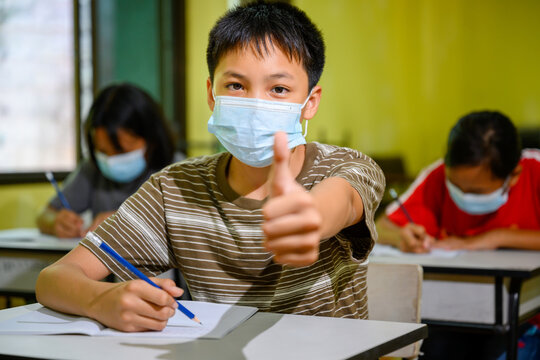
[232, 73]
[281, 75]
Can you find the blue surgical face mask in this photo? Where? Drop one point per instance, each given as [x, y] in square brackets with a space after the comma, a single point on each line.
[478, 204]
[122, 168]
[246, 127]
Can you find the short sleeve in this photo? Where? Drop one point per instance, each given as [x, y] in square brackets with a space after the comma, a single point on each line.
[423, 200]
[367, 178]
[137, 231]
[77, 188]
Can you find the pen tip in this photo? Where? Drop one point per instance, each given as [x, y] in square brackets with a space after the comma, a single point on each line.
[197, 320]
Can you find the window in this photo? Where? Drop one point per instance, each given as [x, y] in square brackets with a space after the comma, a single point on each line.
[39, 109]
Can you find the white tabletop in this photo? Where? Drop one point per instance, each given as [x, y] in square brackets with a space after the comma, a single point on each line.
[520, 263]
[264, 336]
[32, 239]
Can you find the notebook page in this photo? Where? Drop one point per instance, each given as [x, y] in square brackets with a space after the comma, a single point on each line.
[217, 321]
[47, 321]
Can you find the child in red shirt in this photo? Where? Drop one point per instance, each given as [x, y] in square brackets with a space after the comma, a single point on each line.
[485, 195]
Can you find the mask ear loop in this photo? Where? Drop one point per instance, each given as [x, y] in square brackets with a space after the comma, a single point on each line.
[303, 105]
[305, 129]
[506, 185]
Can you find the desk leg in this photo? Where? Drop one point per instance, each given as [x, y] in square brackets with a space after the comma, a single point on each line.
[513, 318]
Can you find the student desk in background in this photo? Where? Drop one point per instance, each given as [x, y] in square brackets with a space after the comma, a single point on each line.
[23, 253]
[489, 290]
[263, 336]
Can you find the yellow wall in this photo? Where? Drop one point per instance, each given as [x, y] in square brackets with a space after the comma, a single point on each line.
[400, 73]
[20, 204]
[200, 17]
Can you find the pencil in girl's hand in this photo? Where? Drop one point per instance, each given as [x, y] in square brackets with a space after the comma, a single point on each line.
[102, 245]
[59, 192]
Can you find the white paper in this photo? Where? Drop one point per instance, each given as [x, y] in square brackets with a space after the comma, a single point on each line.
[387, 250]
[47, 321]
[217, 321]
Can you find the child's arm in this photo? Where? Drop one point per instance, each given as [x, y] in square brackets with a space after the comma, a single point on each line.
[72, 285]
[408, 238]
[494, 239]
[296, 220]
[62, 223]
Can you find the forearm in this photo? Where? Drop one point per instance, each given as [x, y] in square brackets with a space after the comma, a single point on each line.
[45, 220]
[389, 233]
[516, 238]
[66, 288]
[338, 203]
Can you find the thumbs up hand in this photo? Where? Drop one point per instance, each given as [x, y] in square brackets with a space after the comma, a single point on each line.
[292, 222]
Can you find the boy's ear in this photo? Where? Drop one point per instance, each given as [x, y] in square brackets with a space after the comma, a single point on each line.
[312, 104]
[209, 97]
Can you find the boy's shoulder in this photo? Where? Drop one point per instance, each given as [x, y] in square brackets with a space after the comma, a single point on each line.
[194, 166]
[326, 152]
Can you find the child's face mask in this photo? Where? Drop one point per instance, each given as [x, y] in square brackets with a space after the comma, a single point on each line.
[246, 127]
[122, 168]
[478, 204]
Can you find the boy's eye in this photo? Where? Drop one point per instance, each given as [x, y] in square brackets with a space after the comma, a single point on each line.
[235, 86]
[280, 90]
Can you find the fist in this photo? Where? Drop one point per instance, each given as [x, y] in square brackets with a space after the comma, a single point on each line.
[292, 222]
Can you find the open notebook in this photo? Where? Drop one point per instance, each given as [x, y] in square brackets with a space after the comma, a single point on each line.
[217, 321]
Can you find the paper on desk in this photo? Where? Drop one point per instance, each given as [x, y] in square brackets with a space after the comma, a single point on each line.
[28, 235]
[217, 321]
[387, 250]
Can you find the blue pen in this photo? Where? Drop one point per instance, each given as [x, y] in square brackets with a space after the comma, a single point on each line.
[101, 244]
[394, 195]
[61, 196]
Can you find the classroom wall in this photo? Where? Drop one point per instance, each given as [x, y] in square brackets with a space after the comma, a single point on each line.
[398, 75]
[20, 204]
[200, 17]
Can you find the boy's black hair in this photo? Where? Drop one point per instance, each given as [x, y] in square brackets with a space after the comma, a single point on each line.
[262, 23]
[125, 106]
[484, 137]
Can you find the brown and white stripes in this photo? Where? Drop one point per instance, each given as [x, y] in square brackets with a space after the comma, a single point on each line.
[187, 216]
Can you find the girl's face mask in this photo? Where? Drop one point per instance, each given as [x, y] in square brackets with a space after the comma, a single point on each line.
[122, 168]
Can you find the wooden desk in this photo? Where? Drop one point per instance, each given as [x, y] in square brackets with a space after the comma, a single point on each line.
[263, 336]
[515, 265]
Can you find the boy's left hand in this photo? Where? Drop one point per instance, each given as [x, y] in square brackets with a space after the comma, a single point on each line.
[292, 222]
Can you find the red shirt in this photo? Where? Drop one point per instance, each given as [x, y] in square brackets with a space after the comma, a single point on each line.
[428, 202]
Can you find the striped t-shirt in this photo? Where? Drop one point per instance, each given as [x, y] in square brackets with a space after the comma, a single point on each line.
[187, 216]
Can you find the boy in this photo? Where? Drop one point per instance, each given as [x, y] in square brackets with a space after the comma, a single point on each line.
[485, 195]
[280, 225]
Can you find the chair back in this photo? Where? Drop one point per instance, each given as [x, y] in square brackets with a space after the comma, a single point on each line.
[394, 294]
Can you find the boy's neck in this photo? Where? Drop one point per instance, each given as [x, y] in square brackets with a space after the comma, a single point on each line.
[251, 182]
